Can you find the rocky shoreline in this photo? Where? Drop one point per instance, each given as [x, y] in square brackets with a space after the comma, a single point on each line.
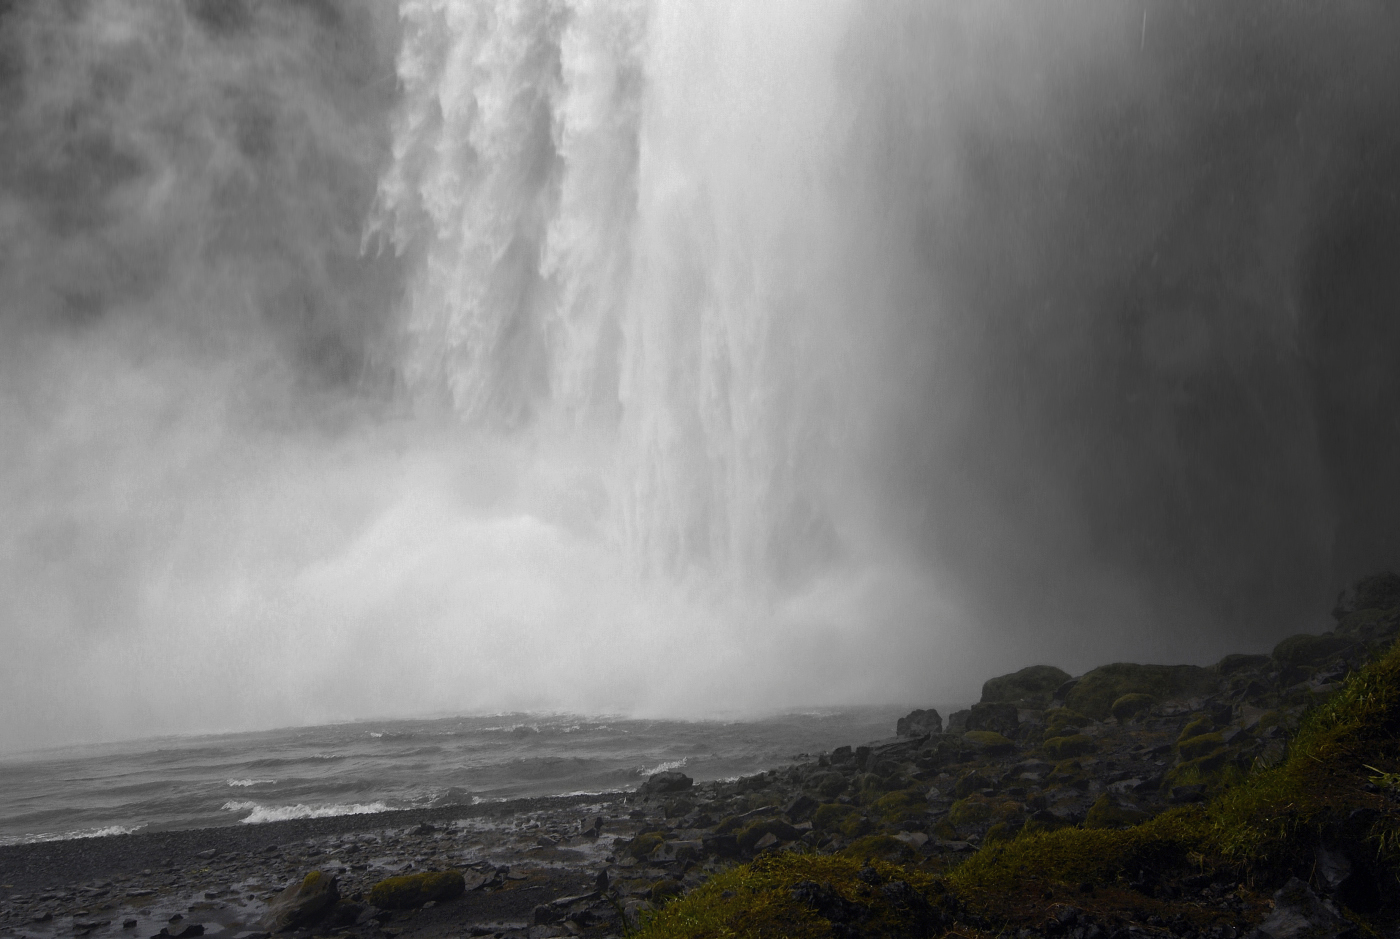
[1041, 751]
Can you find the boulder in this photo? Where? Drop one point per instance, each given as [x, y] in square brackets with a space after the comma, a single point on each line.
[414, 890]
[998, 718]
[1238, 662]
[919, 723]
[1096, 691]
[1031, 687]
[302, 903]
[957, 721]
[1300, 914]
[1130, 706]
[662, 783]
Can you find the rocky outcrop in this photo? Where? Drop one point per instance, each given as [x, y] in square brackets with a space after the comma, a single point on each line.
[1031, 687]
[919, 723]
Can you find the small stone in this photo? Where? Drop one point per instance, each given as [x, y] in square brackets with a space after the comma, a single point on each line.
[128, 924]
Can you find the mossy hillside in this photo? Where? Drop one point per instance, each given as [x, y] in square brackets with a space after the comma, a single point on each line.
[1063, 748]
[1097, 690]
[1280, 814]
[1265, 827]
[802, 896]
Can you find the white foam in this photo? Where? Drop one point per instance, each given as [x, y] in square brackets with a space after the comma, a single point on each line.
[243, 783]
[662, 767]
[105, 832]
[258, 814]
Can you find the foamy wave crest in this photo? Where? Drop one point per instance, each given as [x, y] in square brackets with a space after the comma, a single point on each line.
[257, 814]
[105, 832]
[662, 767]
[244, 783]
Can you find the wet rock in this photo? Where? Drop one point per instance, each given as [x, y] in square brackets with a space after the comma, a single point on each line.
[301, 904]
[664, 783]
[1299, 914]
[919, 723]
[996, 717]
[957, 721]
[801, 807]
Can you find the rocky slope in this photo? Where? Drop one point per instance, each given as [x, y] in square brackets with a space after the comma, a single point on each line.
[1260, 793]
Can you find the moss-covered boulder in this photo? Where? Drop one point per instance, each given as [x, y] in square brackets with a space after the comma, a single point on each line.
[303, 903]
[1108, 812]
[829, 817]
[1031, 687]
[1097, 690]
[904, 805]
[1308, 651]
[1062, 748]
[642, 845]
[1131, 705]
[413, 890]
[1060, 722]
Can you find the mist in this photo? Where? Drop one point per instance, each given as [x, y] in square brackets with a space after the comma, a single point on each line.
[361, 359]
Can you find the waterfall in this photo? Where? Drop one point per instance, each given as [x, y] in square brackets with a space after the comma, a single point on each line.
[574, 184]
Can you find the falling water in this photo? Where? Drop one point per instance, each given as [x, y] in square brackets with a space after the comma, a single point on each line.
[604, 217]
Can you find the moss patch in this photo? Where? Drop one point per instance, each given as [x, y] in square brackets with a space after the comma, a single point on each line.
[806, 897]
[1130, 705]
[1097, 690]
[988, 741]
[413, 890]
[1061, 748]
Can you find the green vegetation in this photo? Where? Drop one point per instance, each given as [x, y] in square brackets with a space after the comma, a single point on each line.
[1097, 691]
[988, 740]
[1062, 748]
[800, 896]
[1336, 785]
[1131, 705]
[413, 890]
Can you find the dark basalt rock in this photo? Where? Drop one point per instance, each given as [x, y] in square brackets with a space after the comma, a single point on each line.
[919, 723]
[663, 783]
[1031, 687]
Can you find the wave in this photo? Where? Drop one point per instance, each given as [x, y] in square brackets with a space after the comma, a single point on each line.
[242, 783]
[662, 767]
[258, 814]
[104, 832]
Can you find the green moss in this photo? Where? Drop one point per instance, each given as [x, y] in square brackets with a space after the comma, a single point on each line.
[829, 785]
[1107, 812]
[642, 845]
[1030, 687]
[906, 804]
[883, 847]
[829, 817]
[757, 901]
[664, 889]
[1195, 747]
[988, 741]
[1001, 831]
[1131, 705]
[969, 783]
[1077, 855]
[413, 890]
[1059, 748]
[1060, 722]
[974, 810]
[1201, 725]
[750, 834]
[1097, 690]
